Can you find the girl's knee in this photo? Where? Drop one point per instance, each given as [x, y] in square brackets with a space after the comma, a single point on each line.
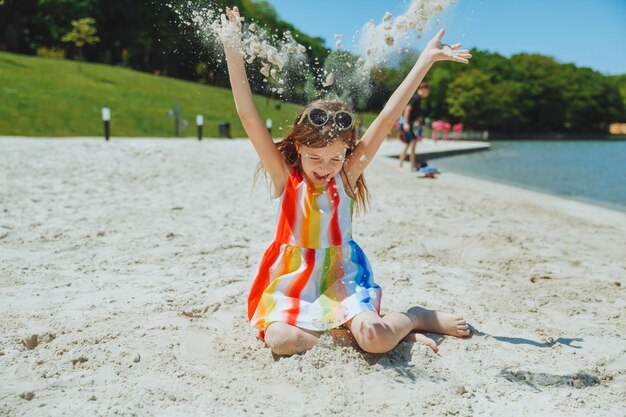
[374, 336]
[284, 339]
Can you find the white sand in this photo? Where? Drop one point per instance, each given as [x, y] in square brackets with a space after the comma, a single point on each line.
[131, 261]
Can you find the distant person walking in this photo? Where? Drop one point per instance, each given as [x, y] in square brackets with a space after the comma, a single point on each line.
[411, 115]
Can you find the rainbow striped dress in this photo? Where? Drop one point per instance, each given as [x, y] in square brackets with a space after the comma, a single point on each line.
[313, 275]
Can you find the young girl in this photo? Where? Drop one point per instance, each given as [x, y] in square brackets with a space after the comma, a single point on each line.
[314, 277]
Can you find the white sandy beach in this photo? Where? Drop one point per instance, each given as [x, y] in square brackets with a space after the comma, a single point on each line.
[131, 262]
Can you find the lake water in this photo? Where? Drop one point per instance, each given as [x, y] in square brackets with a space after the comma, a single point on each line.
[591, 171]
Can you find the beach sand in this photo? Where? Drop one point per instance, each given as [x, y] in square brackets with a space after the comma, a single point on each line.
[131, 262]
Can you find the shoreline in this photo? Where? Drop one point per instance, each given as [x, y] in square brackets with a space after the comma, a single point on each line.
[596, 203]
[132, 261]
[570, 205]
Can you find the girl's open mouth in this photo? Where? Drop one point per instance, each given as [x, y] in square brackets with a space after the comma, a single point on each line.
[321, 178]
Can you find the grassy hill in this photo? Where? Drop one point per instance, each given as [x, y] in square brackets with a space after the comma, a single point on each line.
[50, 97]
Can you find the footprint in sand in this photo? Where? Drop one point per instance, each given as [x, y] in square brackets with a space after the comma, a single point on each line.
[196, 344]
[35, 340]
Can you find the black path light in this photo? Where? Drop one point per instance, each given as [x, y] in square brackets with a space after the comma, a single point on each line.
[268, 125]
[106, 119]
[199, 122]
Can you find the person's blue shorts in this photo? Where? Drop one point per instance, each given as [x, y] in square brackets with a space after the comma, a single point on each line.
[407, 137]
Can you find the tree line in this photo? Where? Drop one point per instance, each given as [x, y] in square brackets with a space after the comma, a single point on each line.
[524, 93]
[145, 35]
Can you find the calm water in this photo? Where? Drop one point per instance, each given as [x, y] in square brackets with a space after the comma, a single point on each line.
[592, 171]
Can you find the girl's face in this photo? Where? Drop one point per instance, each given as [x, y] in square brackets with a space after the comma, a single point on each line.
[320, 165]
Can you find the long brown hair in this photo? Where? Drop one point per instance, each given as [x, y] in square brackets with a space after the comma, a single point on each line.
[318, 137]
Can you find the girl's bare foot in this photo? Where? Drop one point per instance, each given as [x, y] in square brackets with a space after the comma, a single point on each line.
[438, 322]
[420, 338]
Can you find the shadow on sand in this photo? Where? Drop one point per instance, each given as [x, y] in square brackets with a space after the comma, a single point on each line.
[536, 380]
[521, 341]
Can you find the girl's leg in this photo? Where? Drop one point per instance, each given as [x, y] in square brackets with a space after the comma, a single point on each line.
[285, 339]
[412, 154]
[377, 334]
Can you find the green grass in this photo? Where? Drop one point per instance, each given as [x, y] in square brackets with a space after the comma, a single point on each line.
[50, 97]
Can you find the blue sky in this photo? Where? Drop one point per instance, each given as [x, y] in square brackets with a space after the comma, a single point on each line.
[588, 33]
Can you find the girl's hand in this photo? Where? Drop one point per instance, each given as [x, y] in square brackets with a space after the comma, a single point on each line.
[438, 51]
[230, 32]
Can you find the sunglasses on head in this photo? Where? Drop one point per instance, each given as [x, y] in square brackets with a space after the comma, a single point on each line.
[342, 119]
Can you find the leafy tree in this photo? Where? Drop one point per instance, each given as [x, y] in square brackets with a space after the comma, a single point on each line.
[481, 104]
[618, 83]
[504, 112]
[468, 98]
[440, 79]
[26, 25]
[542, 101]
[616, 97]
[83, 33]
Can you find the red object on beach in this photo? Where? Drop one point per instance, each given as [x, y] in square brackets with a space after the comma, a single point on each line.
[446, 128]
[458, 128]
[437, 126]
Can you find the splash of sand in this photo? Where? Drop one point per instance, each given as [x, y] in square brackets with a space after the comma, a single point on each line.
[280, 57]
[377, 42]
[273, 54]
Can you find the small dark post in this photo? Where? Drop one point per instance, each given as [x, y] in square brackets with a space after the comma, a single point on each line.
[223, 129]
[199, 122]
[227, 130]
[177, 120]
[106, 119]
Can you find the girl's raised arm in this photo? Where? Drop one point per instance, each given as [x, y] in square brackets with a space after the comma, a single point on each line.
[375, 135]
[271, 158]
